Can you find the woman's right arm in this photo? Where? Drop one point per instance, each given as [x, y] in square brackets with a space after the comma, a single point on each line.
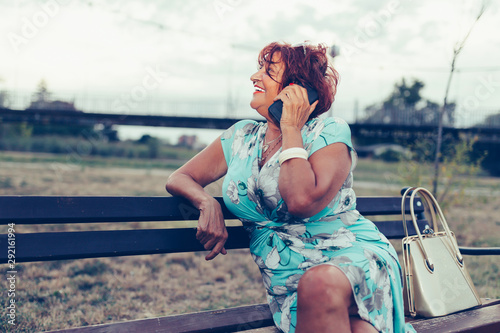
[189, 181]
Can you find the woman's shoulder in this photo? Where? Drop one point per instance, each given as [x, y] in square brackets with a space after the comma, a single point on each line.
[242, 127]
[332, 121]
[327, 124]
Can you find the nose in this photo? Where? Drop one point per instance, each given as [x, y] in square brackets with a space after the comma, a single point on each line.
[257, 76]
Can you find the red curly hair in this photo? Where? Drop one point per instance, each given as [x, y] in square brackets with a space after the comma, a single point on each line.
[306, 65]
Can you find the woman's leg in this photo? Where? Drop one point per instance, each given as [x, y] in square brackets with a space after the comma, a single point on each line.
[358, 325]
[323, 299]
[324, 296]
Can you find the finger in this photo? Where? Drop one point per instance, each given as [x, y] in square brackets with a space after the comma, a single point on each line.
[210, 243]
[224, 252]
[202, 236]
[292, 92]
[212, 255]
[219, 246]
[303, 93]
[207, 236]
[299, 94]
[286, 93]
[216, 250]
[282, 95]
[313, 107]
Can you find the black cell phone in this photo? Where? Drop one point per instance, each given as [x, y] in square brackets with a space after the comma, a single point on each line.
[276, 109]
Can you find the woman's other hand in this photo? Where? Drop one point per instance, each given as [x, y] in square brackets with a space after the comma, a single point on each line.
[212, 232]
[296, 107]
[189, 180]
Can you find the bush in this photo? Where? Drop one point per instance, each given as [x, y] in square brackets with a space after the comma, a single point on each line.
[150, 148]
[391, 156]
[6, 182]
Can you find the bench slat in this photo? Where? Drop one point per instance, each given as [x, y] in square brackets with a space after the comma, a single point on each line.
[54, 209]
[225, 320]
[485, 319]
[46, 246]
[110, 243]
[480, 251]
[258, 319]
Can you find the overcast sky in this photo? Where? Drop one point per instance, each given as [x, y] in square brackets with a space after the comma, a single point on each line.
[198, 50]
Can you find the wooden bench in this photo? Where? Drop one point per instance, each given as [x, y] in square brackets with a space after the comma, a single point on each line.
[46, 246]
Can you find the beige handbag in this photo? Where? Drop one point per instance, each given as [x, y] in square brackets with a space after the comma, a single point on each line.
[437, 282]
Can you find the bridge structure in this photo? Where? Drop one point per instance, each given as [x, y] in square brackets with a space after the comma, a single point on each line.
[64, 117]
[383, 131]
[366, 134]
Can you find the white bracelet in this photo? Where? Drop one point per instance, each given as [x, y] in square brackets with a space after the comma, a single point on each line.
[294, 152]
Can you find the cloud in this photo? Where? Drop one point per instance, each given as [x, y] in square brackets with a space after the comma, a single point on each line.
[211, 51]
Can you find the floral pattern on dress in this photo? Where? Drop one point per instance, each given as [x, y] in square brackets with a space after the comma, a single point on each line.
[284, 246]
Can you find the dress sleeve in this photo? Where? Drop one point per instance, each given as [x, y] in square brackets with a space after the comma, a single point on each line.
[334, 130]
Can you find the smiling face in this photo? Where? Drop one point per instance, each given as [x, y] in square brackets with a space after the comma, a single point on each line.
[267, 85]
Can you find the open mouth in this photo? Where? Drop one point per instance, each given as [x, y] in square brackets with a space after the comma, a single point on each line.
[259, 89]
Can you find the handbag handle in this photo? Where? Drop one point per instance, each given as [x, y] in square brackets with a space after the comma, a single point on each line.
[432, 205]
[403, 214]
[428, 261]
[426, 205]
[435, 206]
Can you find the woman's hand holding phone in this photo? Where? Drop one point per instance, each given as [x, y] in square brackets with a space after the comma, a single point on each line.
[293, 105]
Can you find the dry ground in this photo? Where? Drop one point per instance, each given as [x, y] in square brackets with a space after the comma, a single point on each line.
[64, 294]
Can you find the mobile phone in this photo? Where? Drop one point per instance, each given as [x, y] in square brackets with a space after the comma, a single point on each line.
[276, 109]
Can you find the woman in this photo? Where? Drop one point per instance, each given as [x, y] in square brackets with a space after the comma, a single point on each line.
[325, 267]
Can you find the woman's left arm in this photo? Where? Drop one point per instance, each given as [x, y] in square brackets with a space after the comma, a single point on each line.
[308, 186]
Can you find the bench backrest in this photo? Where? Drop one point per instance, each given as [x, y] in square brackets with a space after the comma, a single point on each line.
[44, 246]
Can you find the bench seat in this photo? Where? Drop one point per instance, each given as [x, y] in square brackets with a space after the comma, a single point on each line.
[48, 246]
[257, 319]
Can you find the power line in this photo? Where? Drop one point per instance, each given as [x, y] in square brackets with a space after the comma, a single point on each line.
[434, 69]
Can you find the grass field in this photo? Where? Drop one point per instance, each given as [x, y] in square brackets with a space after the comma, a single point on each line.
[62, 294]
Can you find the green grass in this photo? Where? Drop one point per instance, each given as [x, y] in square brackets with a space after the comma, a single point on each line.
[399, 173]
[63, 160]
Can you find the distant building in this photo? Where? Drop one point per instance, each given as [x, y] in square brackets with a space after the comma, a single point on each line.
[492, 121]
[41, 100]
[188, 141]
[53, 105]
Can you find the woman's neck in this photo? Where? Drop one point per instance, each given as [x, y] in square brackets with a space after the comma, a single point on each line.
[273, 131]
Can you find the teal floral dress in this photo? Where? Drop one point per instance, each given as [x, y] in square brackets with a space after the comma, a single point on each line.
[285, 246]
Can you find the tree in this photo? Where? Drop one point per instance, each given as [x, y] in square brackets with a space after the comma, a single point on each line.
[42, 100]
[406, 106]
[42, 94]
[4, 98]
[405, 95]
[458, 48]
